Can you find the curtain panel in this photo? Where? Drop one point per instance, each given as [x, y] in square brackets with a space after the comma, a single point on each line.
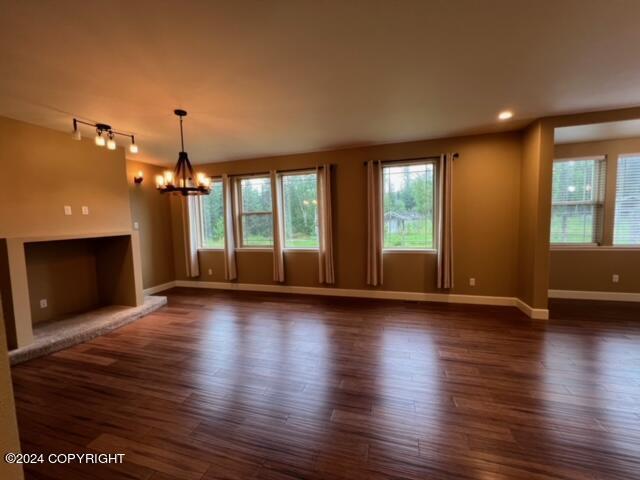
[191, 228]
[278, 231]
[325, 226]
[230, 265]
[445, 215]
[374, 223]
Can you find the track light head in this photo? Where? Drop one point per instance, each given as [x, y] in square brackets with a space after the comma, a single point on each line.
[100, 141]
[133, 148]
[111, 143]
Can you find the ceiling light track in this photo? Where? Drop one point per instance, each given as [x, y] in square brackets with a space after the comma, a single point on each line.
[108, 139]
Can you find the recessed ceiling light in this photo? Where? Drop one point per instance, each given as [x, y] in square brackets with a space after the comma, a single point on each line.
[505, 115]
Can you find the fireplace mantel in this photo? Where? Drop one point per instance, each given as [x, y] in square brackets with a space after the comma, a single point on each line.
[126, 287]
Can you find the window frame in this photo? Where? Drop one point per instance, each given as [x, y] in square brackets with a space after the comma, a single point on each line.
[201, 219]
[284, 222]
[436, 206]
[239, 214]
[620, 246]
[602, 204]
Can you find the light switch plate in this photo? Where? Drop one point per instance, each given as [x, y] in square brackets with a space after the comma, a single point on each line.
[615, 278]
[85, 210]
[43, 303]
[136, 226]
[472, 282]
[67, 210]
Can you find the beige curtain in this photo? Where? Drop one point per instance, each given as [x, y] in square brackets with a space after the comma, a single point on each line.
[325, 228]
[191, 228]
[445, 231]
[374, 223]
[230, 267]
[278, 234]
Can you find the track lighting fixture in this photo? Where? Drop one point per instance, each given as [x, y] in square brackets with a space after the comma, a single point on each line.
[101, 140]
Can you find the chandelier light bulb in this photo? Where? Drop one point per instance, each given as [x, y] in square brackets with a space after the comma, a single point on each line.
[133, 148]
[168, 178]
[159, 181]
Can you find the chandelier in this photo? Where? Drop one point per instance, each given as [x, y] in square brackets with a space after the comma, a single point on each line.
[182, 179]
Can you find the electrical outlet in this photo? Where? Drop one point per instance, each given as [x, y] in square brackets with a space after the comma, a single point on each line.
[615, 278]
[85, 210]
[210, 272]
[43, 303]
[67, 210]
[136, 226]
[472, 282]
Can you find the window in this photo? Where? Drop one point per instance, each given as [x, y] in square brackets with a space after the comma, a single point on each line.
[255, 211]
[408, 201]
[577, 200]
[212, 211]
[300, 206]
[626, 229]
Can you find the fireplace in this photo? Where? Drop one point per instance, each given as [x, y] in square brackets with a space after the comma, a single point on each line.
[45, 279]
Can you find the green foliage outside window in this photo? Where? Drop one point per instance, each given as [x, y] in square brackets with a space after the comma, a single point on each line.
[257, 214]
[300, 205]
[409, 206]
[213, 218]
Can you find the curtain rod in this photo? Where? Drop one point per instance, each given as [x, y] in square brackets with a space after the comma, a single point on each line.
[430, 157]
[267, 172]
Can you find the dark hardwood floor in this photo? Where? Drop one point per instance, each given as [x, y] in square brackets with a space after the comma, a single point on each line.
[246, 385]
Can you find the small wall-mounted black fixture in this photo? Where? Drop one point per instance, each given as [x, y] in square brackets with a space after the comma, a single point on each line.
[109, 132]
[138, 177]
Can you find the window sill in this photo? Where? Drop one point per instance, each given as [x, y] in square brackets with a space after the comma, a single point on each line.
[295, 249]
[425, 251]
[211, 249]
[254, 249]
[595, 248]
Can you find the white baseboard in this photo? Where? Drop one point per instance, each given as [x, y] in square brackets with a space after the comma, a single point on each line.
[379, 294]
[587, 295]
[159, 288]
[535, 313]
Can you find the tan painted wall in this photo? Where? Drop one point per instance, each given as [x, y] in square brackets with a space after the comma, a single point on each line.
[591, 269]
[45, 169]
[486, 199]
[9, 441]
[65, 274]
[152, 212]
[535, 211]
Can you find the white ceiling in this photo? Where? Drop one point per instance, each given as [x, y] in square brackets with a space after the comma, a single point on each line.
[598, 131]
[274, 77]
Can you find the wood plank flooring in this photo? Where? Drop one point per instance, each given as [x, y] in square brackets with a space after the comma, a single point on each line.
[237, 385]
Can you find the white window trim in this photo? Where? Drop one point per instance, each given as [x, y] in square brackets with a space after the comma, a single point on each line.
[239, 214]
[426, 250]
[284, 223]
